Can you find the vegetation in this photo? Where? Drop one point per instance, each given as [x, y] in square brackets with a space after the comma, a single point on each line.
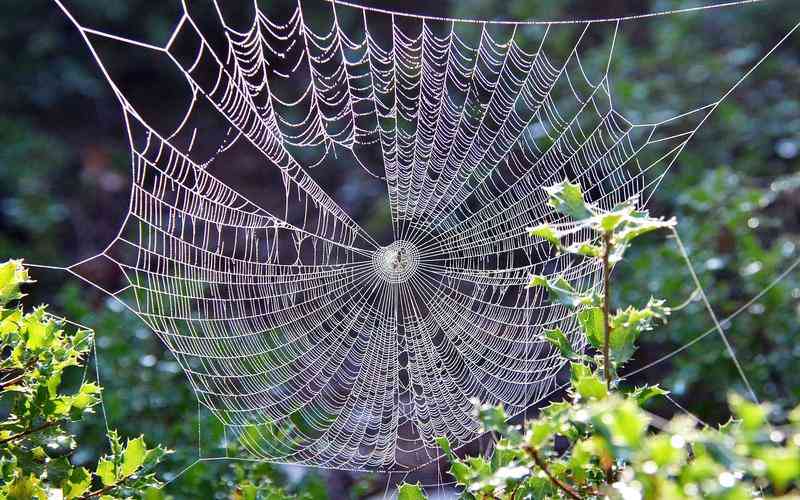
[602, 442]
[64, 165]
[39, 356]
[36, 353]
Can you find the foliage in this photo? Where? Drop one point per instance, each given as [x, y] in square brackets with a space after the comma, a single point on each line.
[37, 353]
[738, 216]
[37, 450]
[602, 442]
[740, 241]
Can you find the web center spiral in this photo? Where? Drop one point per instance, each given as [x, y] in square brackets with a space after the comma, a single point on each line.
[397, 262]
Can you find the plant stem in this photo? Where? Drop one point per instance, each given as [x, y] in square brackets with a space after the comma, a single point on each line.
[42, 427]
[12, 381]
[606, 301]
[561, 484]
[106, 489]
[20, 375]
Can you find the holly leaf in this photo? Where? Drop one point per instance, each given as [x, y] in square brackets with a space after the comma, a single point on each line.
[12, 276]
[647, 392]
[493, 418]
[561, 291]
[782, 465]
[78, 483]
[557, 337]
[105, 471]
[444, 444]
[460, 472]
[546, 232]
[628, 324]
[25, 487]
[753, 416]
[540, 432]
[567, 198]
[410, 492]
[585, 249]
[133, 456]
[637, 224]
[590, 387]
[593, 325]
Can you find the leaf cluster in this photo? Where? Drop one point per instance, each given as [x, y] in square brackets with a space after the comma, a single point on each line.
[36, 354]
[601, 442]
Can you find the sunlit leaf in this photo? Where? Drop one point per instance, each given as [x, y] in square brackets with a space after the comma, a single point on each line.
[567, 198]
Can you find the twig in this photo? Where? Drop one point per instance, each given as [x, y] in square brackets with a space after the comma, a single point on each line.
[13, 381]
[42, 427]
[106, 489]
[7, 383]
[542, 465]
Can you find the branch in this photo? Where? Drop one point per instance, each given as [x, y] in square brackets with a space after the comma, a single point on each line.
[105, 489]
[7, 383]
[561, 484]
[12, 381]
[42, 427]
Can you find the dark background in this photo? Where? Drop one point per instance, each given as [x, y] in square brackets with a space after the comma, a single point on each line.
[64, 176]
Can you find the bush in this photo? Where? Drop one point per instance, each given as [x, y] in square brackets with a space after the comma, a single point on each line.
[37, 352]
[602, 442]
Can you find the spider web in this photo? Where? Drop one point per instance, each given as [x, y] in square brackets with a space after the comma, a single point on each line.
[309, 340]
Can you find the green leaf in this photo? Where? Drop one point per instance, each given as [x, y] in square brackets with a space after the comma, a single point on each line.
[38, 334]
[540, 432]
[106, 472]
[621, 423]
[646, 392]
[783, 465]
[87, 396]
[611, 220]
[663, 451]
[460, 472]
[480, 466]
[560, 340]
[567, 198]
[590, 387]
[578, 370]
[58, 470]
[133, 456]
[78, 483]
[593, 325]
[52, 384]
[25, 487]
[444, 444]
[638, 224]
[561, 291]
[752, 415]
[12, 275]
[153, 494]
[628, 324]
[82, 340]
[546, 232]
[493, 418]
[410, 492]
[585, 249]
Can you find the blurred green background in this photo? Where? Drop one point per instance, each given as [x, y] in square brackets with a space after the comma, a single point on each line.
[64, 169]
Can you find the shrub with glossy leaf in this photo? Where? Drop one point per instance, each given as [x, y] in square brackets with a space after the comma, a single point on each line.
[36, 351]
[602, 443]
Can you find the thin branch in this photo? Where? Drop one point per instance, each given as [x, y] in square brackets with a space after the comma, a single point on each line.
[556, 481]
[30, 364]
[106, 489]
[13, 381]
[28, 432]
